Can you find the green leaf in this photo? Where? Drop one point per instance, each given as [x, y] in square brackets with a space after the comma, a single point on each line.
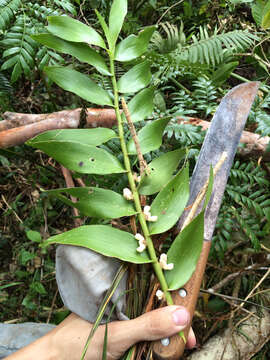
[2, 287]
[223, 72]
[79, 50]
[150, 137]
[37, 287]
[34, 236]
[105, 240]
[104, 26]
[134, 46]
[79, 84]
[184, 253]
[266, 17]
[170, 203]
[25, 256]
[96, 202]
[161, 171]
[70, 29]
[82, 158]
[135, 79]
[116, 19]
[257, 12]
[141, 105]
[16, 73]
[94, 137]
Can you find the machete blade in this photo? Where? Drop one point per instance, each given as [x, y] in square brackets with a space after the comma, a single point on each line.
[222, 136]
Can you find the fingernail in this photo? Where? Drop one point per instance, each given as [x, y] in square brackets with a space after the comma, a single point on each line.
[180, 317]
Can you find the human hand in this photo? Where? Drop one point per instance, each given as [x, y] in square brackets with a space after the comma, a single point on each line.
[67, 340]
[70, 336]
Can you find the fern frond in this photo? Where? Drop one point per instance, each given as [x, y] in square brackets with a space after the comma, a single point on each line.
[205, 96]
[247, 173]
[20, 49]
[5, 87]
[41, 12]
[243, 200]
[175, 38]
[185, 134]
[263, 124]
[66, 5]
[247, 230]
[212, 49]
[8, 9]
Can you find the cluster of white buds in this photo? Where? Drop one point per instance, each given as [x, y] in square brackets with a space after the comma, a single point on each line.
[160, 294]
[136, 177]
[142, 242]
[127, 194]
[147, 214]
[163, 263]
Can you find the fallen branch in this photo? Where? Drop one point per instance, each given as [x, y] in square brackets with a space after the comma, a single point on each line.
[20, 135]
[16, 128]
[244, 341]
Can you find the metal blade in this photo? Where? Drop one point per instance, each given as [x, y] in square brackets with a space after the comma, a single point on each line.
[222, 136]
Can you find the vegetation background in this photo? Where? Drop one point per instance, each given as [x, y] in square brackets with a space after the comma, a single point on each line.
[200, 50]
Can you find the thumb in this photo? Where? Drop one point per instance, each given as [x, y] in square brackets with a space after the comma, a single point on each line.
[154, 325]
[160, 323]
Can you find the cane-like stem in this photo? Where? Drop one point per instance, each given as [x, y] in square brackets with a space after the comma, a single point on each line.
[133, 188]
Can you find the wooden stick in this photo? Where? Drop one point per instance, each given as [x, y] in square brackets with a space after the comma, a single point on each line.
[255, 145]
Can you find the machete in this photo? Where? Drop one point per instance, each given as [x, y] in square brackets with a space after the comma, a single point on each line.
[222, 137]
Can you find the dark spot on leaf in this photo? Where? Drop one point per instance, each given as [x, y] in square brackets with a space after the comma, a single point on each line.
[81, 163]
[92, 159]
[152, 169]
[172, 189]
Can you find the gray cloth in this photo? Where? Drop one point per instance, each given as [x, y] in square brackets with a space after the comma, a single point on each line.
[83, 277]
[15, 336]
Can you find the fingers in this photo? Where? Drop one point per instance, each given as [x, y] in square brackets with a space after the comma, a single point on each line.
[191, 341]
[157, 324]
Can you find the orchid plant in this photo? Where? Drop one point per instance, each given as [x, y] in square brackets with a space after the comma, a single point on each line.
[79, 150]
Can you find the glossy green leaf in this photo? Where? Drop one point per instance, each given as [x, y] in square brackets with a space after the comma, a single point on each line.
[141, 105]
[150, 136]
[170, 203]
[94, 137]
[135, 79]
[79, 84]
[223, 72]
[184, 253]
[161, 171]
[81, 51]
[96, 202]
[79, 157]
[116, 19]
[70, 29]
[134, 46]
[104, 26]
[105, 240]
[266, 20]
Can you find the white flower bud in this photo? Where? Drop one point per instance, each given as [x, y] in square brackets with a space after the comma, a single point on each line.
[152, 218]
[141, 248]
[146, 210]
[139, 237]
[127, 194]
[163, 263]
[136, 177]
[160, 294]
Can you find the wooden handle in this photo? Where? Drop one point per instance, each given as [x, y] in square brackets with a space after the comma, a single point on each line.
[186, 296]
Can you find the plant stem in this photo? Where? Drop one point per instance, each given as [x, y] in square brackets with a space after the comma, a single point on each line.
[150, 246]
